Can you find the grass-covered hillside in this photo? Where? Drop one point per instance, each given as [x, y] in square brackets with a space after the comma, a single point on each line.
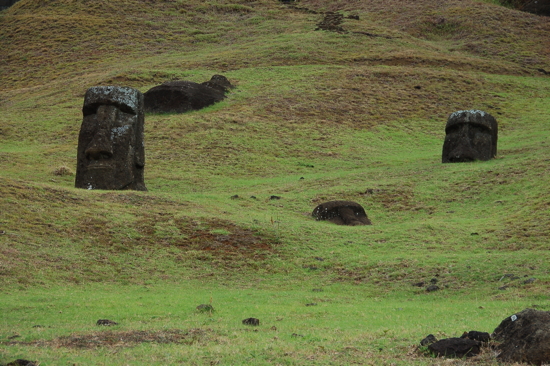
[316, 115]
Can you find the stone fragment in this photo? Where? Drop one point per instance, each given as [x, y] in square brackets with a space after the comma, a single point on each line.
[251, 321]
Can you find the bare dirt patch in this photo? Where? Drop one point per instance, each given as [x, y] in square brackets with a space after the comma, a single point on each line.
[124, 339]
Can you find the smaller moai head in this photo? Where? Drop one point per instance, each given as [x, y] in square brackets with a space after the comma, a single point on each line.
[111, 153]
[470, 135]
[341, 213]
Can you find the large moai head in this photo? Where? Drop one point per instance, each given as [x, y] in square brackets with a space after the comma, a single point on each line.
[470, 135]
[111, 153]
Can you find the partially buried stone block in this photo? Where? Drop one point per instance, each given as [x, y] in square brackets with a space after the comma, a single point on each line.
[111, 153]
[342, 213]
[470, 135]
[183, 96]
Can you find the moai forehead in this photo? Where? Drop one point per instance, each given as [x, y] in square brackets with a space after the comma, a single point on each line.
[470, 135]
[126, 99]
[475, 117]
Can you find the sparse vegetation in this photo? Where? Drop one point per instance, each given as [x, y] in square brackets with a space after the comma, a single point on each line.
[359, 115]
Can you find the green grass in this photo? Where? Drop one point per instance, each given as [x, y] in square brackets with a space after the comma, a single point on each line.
[315, 116]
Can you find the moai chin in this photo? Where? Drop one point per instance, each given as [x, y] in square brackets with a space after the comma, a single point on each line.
[111, 153]
[470, 135]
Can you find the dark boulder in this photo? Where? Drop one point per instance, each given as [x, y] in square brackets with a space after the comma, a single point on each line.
[184, 96]
[455, 348]
[342, 213]
[525, 337]
[539, 7]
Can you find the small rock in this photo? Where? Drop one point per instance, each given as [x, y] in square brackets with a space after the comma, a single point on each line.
[234, 197]
[295, 335]
[428, 340]
[106, 322]
[432, 288]
[275, 197]
[251, 321]
[530, 280]
[205, 308]
[312, 304]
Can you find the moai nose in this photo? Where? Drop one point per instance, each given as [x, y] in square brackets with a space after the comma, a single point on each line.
[101, 146]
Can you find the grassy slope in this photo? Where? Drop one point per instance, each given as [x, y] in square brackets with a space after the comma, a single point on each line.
[339, 110]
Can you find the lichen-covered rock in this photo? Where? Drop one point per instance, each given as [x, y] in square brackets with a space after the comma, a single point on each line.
[525, 337]
[470, 135]
[111, 152]
[342, 213]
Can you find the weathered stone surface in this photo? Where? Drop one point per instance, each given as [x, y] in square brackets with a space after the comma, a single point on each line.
[342, 213]
[525, 337]
[111, 152]
[455, 348]
[475, 335]
[184, 96]
[470, 135]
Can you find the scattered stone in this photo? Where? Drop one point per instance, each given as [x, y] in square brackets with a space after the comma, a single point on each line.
[428, 340]
[296, 335]
[483, 337]
[251, 321]
[14, 336]
[530, 280]
[432, 288]
[418, 284]
[455, 348]
[470, 135]
[544, 71]
[502, 288]
[418, 87]
[312, 304]
[273, 328]
[111, 153]
[38, 326]
[234, 197]
[205, 308]
[433, 281]
[525, 337]
[253, 197]
[342, 213]
[106, 322]
[184, 96]
[275, 197]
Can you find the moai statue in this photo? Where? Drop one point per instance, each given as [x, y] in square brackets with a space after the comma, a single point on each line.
[111, 153]
[470, 135]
